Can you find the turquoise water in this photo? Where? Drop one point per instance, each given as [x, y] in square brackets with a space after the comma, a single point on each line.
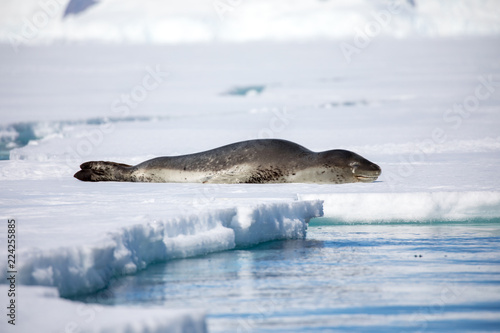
[419, 277]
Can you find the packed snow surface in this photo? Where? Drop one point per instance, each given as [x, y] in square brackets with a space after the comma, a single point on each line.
[43, 311]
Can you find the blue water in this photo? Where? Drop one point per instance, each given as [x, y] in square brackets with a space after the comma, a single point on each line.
[418, 277]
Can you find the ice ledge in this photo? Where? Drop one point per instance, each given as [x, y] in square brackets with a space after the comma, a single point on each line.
[410, 207]
[86, 269]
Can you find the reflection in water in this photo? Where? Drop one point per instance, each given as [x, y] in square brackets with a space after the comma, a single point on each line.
[362, 277]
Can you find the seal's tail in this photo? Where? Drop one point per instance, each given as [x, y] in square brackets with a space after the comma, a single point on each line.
[102, 171]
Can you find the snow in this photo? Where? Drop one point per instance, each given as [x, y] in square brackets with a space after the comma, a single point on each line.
[425, 109]
[411, 207]
[438, 165]
[150, 22]
[60, 315]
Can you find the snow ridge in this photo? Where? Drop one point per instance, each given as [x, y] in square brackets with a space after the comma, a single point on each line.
[88, 268]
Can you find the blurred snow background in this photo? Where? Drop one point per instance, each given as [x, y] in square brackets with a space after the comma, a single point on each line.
[154, 22]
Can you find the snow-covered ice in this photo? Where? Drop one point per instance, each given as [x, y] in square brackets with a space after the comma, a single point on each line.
[44, 311]
[96, 253]
[425, 109]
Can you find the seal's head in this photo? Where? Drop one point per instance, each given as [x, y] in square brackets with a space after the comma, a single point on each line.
[356, 168]
[364, 170]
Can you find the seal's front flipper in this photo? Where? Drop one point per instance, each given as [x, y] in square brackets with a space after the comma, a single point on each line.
[98, 171]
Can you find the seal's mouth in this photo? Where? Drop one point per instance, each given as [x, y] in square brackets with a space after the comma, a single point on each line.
[366, 179]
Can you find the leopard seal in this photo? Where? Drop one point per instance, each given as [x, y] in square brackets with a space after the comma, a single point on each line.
[254, 161]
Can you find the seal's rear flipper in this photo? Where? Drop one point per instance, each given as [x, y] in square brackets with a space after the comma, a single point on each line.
[85, 175]
[102, 171]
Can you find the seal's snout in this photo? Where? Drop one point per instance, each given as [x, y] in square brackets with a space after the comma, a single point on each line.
[376, 169]
[367, 173]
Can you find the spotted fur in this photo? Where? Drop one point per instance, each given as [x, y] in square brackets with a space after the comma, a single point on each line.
[254, 161]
